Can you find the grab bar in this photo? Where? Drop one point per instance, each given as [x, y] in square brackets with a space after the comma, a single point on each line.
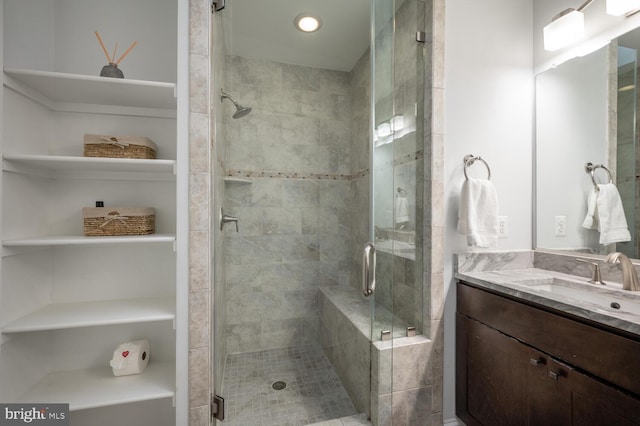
[591, 168]
[368, 270]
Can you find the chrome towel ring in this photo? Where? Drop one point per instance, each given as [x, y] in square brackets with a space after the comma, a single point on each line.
[591, 168]
[469, 160]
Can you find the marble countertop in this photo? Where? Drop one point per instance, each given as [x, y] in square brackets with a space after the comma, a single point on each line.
[539, 286]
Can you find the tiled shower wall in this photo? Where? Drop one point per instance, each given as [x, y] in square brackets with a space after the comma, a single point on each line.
[360, 86]
[294, 226]
[200, 202]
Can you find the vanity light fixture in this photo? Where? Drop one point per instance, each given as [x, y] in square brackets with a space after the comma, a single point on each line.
[387, 131]
[307, 23]
[622, 7]
[565, 28]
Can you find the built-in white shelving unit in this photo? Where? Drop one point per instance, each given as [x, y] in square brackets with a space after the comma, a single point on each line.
[82, 240]
[59, 316]
[64, 88]
[64, 164]
[92, 293]
[72, 387]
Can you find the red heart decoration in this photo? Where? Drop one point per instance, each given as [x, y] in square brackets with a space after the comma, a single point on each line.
[125, 354]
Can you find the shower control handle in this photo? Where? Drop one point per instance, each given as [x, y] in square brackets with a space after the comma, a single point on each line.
[224, 218]
[368, 269]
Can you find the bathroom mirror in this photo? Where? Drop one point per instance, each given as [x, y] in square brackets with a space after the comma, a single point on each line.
[586, 111]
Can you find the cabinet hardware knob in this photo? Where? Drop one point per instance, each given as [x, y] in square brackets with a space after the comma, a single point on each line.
[554, 375]
[536, 361]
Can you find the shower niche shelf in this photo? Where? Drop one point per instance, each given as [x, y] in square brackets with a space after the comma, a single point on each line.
[232, 179]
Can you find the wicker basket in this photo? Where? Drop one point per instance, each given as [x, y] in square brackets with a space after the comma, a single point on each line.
[119, 147]
[111, 221]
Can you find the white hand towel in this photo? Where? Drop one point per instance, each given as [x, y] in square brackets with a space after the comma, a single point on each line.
[402, 209]
[478, 213]
[591, 220]
[612, 222]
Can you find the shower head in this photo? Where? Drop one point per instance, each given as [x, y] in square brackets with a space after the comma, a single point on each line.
[241, 111]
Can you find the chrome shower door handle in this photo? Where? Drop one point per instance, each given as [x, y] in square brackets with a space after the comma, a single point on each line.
[368, 269]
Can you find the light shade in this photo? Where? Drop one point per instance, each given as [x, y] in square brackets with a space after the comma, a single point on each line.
[565, 29]
[620, 7]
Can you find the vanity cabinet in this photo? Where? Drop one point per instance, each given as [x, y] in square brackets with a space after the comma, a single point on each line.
[519, 364]
[67, 301]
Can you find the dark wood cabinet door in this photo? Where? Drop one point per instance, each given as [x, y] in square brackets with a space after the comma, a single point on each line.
[496, 372]
[595, 403]
[549, 392]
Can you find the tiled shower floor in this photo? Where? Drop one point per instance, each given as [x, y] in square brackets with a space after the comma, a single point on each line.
[313, 392]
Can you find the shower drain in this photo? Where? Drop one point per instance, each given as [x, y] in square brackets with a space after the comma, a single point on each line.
[279, 385]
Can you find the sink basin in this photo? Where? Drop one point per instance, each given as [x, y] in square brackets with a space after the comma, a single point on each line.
[599, 296]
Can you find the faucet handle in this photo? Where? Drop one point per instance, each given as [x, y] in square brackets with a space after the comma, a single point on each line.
[225, 218]
[596, 276]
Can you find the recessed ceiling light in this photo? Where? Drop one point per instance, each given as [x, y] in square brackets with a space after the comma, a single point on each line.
[307, 23]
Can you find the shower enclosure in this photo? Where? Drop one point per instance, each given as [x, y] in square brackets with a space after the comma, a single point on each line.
[330, 156]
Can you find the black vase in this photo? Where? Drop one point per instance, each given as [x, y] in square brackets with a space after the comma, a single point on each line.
[111, 70]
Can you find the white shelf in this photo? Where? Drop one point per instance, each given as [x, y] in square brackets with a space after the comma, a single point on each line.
[83, 389]
[82, 240]
[64, 88]
[60, 316]
[69, 166]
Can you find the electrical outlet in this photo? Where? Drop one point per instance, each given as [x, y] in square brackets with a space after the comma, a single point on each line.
[561, 226]
[503, 226]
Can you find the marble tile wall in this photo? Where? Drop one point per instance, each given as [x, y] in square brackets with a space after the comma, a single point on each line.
[403, 387]
[348, 350]
[360, 86]
[294, 215]
[432, 112]
[622, 146]
[200, 178]
[399, 289]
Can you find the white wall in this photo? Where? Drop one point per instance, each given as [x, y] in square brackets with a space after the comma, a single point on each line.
[488, 112]
[59, 36]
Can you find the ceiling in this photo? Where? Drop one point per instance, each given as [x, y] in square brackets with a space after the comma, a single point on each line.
[263, 29]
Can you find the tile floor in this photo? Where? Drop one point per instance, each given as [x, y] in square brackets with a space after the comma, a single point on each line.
[313, 392]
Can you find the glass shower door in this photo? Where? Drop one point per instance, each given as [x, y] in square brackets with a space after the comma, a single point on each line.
[397, 186]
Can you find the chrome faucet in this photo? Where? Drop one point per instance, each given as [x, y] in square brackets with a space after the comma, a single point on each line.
[596, 276]
[629, 276]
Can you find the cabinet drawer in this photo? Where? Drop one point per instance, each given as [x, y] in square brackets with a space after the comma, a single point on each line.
[607, 355]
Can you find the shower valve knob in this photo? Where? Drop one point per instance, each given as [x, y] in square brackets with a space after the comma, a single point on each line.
[225, 218]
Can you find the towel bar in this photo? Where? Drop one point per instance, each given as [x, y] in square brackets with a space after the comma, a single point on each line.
[469, 160]
[591, 168]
